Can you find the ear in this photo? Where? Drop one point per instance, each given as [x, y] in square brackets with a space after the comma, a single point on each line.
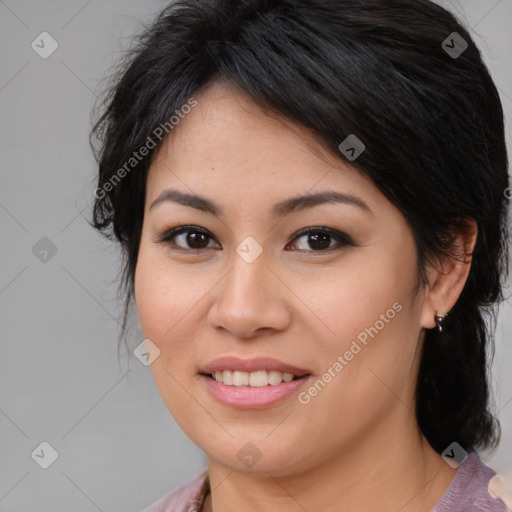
[448, 276]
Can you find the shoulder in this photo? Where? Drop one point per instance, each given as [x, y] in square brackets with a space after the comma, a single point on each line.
[469, 491]
[188, 497]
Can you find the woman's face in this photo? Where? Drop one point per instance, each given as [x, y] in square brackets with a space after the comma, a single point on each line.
[242, 282]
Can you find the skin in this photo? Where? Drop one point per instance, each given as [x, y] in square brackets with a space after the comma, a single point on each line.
[356, 445]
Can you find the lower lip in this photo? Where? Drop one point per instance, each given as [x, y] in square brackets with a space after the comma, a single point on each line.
[246, 397]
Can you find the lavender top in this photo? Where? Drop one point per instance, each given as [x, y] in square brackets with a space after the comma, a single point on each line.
[467, 492]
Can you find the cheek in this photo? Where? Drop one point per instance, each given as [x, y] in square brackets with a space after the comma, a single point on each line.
[170, 300]
[349, 299]
[163, 292]
[369, 318]
[163, 300]
[149, 294]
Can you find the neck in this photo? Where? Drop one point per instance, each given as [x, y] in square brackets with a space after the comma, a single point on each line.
[402, 473]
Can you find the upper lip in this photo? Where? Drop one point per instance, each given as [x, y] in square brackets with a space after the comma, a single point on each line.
[251, 365]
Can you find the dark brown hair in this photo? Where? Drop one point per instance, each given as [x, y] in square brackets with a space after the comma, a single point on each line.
[385, 70]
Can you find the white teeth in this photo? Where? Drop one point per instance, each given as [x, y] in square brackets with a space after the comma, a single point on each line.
[240, 378]
[226, 377]
[258, 379]
[275, 377]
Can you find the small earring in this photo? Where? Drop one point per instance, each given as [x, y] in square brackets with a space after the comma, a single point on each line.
[440, 320]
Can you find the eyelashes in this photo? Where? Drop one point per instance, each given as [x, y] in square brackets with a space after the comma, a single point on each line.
[198, 239]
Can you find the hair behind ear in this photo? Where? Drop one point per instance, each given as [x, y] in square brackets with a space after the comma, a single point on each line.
[452, 400]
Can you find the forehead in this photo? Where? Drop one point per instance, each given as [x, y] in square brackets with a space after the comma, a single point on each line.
[228, 147]
[227, 123]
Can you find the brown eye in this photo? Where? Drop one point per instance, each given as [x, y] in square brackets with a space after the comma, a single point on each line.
[320, 239]
[196, 240]
[186, 237]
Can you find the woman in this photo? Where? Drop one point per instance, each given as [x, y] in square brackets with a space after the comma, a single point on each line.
[311, 200]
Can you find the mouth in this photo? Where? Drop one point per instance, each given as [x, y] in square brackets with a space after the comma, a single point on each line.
[256, 372]
[252, 383]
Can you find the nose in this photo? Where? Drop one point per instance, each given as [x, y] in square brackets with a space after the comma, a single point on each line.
[250, 300]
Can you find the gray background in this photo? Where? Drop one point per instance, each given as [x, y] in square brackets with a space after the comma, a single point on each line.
[61, 382]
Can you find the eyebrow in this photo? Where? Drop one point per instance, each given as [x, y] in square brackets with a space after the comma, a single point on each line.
[293, 204]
